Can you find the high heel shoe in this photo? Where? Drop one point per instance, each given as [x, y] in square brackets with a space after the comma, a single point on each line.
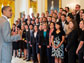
[24, 58]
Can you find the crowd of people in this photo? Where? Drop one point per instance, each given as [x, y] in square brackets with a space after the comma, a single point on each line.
[53, 37]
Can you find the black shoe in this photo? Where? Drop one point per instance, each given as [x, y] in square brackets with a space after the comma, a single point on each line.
[28, 60]
[20, 56]
[35, 62]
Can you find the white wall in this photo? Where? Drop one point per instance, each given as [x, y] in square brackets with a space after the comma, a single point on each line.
[24, 6]
[20, 6]
[41, 6]
[72, 3]
[17, 9]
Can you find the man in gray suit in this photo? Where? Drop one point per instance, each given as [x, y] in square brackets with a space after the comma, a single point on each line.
[6, 38]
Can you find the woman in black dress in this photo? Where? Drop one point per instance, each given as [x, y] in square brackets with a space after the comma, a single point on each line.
[22, 43]
[43, 43]
[80, 49]
[72, 42]
[58, 37]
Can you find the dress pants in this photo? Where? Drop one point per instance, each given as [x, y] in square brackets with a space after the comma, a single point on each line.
[49, 53]
[34, 55]
[43, 54]
[29, 52]
[71, 57]
[80, 57]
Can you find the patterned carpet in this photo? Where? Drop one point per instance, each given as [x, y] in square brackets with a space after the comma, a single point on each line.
[19, 60]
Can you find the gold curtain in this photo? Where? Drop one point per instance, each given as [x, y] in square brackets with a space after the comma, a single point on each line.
[60, 3]
[33, 5]
[0, 9]
[46, 5]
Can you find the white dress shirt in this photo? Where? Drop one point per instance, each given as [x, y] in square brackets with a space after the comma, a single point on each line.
[63, 23]
[35, 33]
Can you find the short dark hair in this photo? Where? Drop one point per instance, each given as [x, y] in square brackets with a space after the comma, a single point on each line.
[60, 24]
[31, 25]
[65, 11]
[82, 10]
[4, 8]
[53, 23]
[61, 8]
[78, 5]
[14, 24]
[67, 8]
[63, 15]
[71, 16]
[50, 16]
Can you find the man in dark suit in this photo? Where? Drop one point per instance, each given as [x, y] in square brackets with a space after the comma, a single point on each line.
[77, 9]
[68, 10]
[29, 36]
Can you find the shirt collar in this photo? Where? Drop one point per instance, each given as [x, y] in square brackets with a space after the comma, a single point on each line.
[77, 11]
[31, 30]
[5, 18]
[63, 21]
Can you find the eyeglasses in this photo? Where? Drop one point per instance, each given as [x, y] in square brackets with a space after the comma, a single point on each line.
[77, 7]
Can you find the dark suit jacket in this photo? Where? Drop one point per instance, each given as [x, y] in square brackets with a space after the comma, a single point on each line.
[44, 40]
[78, 18]
[19, 25]
[24, 35]
[28, 37]
[72, 41]
[35, 40]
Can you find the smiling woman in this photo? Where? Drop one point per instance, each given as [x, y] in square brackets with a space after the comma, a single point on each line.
[9, 3]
